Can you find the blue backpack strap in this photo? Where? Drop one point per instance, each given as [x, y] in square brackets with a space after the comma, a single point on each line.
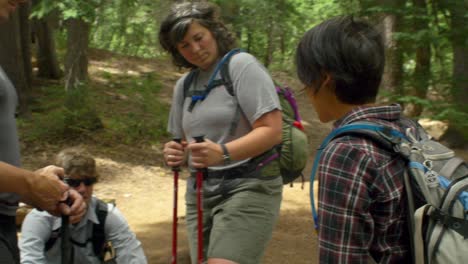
[383, 135]
[212, 83]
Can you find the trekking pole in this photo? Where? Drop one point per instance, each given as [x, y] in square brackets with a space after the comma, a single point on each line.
[199, 180]
[65, 234]
[176, 170]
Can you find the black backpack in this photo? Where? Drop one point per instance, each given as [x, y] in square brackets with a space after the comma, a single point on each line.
[98, 240]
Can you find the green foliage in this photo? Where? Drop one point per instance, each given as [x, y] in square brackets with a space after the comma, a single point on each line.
[131, 113]
[126, 27]
[270, 29]
[79, 113]
[61, 115]
[145, 118]
[68, 8]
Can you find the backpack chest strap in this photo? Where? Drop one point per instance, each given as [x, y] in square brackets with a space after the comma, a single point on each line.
[212, 83]
[197, 95]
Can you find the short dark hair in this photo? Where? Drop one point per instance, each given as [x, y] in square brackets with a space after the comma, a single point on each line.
[176, 24]
[350, 50]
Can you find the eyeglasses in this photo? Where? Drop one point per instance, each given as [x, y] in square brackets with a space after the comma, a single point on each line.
[77, 182]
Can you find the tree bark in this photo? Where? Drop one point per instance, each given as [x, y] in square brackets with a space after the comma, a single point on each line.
[76, 58]
[422, 70]
[393, 72]
[230, 12]
[456, 135]
[459, 38]
[25, 41]
[12, 60]
[47, 62]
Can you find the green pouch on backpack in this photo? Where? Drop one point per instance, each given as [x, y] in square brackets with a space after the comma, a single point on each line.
[294, 152]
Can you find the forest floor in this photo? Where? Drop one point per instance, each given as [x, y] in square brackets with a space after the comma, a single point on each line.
[143, 187]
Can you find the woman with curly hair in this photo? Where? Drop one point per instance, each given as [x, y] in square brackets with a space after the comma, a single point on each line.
[240, 201]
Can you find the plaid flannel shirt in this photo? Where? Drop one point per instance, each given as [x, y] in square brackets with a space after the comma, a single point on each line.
[362, 201]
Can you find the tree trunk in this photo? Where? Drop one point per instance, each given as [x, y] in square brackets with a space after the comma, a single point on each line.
[47, 62]
[249, 39]
[456, 135]
[76, 59]
[230, 13]
[25, 39]
[393, 72]
[12, 60]
[459, 38]
[422, 70]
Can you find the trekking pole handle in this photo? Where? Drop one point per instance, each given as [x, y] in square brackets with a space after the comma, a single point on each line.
[199, 139]
[176, 168]
[199, 184]
[65, 234]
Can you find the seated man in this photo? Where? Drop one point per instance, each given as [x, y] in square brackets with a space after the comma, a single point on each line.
[102, 227]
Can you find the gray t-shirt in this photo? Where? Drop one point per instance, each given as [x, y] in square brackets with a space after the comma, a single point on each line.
[9, 144]
[254, 93]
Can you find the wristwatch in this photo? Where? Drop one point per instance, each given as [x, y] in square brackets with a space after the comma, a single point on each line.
[226, 155]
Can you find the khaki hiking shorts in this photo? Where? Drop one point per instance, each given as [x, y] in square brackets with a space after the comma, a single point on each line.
[238, 217]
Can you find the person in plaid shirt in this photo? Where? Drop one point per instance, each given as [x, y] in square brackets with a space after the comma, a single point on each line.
[362, 202]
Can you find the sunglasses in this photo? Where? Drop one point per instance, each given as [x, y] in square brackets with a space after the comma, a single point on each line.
[77, 182]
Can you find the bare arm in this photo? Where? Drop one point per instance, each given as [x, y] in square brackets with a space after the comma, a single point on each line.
[13, 179]
[42, 189]
[266, 133]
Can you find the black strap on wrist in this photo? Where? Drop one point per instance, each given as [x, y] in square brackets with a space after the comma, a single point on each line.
[226, 155]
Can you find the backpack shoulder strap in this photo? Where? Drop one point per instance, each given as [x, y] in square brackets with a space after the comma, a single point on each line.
[227, 81]
[54, 235]
[226, 77]
[188, 81]
[99, 237]
[212, 83]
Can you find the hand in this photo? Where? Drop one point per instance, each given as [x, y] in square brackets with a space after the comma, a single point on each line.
[44, 189]
[205, 154]
[77, 209]
[174, 153]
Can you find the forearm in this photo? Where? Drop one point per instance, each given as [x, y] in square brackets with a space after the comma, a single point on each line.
[14, 179]
[255, 143]
[266, 133]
